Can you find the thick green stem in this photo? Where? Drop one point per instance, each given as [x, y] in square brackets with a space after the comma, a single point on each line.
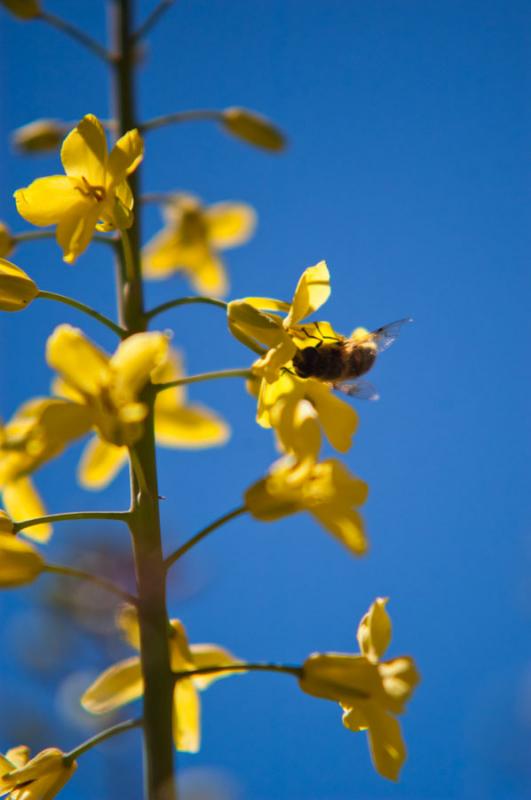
[144, 522]
[91, 312]
[180, 552]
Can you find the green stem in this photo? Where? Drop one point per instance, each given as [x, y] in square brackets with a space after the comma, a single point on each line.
[75, 33]
[182, 301]
[287, 669]
[120, 516]
[179, 553]
[35, 236]
[121, 727]
[128, 257]
[152, 19]
[80, 574]
[200, 114]
[90, 312]
[204, 376]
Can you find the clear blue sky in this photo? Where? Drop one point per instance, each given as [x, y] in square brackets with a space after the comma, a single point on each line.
[409, 172]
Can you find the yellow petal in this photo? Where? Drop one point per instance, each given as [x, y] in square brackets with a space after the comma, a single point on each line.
[345, 524]
[84, 151]
[19, 756]
[253, 128]
[230, 224]
[313, 289]
[170, 370]
[78, 360]
[212, 655]
[120, 684]
[127, 622]
[338, 418]
[190, 427]
[100, 463]
[186, 717]
[399, 678]
[48, 763]
[75, 231]
[297, 428]
[7, 242]
[23, 502]
[209, 276]
[47, 200]
[161, 255]
[343, 678]
[388, 750]
[20, 563]
[263, 328]
[17, 290]
[125, 156]
[134, 361]
[374, 630]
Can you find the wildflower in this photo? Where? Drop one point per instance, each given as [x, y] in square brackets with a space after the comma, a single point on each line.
[177, 424]
[40, 778]
[40, 136]
[108, 387]
[20, 563]
[192, 238]
[17, 290]
[94, 193]
[325, 489]
[371, 692]
[7, 240]
[38, 431]
[253, 128]
[122, 683]
[23, 9]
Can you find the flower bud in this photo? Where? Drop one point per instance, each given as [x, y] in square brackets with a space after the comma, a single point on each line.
[23, 9]
[6, 523]
[253, 128]
[20, 563]
[17, 290]
[40, 136]
[7, 241]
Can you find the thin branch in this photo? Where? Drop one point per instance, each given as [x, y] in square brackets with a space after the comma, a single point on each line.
[80, 36]
[288, 669]
[33, 236]
[181, 301]
[204, 376]
[179, 553]
[121, 727]
[120, 516]
[196, 115]
[80, 574]
[151, 19]
[91, 312]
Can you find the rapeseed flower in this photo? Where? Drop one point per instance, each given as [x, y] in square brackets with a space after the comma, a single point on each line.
[191, 241]
[7, 240]
[122, 683]
[17, 290]
[371, 692]
[94, 193]
[40, 778]
[20, 563]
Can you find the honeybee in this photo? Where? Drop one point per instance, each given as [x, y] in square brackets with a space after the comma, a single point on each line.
[342, 361]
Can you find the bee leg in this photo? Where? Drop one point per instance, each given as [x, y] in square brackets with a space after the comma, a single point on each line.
[323, 337]
[309, 335]
[287, 369]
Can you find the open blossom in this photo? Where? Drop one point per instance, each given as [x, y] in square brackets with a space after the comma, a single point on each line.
[122, 683]
[371, 692]
[40, 778]
[93, 194]
[191, 241]
[178, 424]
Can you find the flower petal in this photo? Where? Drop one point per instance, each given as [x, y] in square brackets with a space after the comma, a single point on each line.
[345, 524]
[84, 151]
[127, 622]
[78, 361]
[186, 717]
[313, 289]
[120, 684]
[17, 290]
[75, 231]
[212, 655]
[161, 255]
[47, 200]
[20, 563]
[22, 501]
[191, 427]
[388, 749]
[339, 419]
[229, 224]
[134, 361]
[374, 630]
[100, 463]
[209, 276]
[125, 156]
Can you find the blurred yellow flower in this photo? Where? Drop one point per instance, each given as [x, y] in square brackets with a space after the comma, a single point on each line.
[94, 193]
[40, 778]
[38, 431]
[371, 692]
[23, 9]
[17, 290]
[191, 241]
[325, 489]
[20, 563]
[109, 387]
[122, 683]
[7, 241]
[178, 424]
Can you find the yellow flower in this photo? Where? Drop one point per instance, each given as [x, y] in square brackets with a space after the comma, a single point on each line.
[40, 778]
[326, 489]
[23, 9]
[177, 424]
[108, 387]
[192, 238]
[122, 683]
[253, 128]
[20, 563]
[7, 241]
[17, 290]
[94, 193]
[38, 431]
[40, 136]
[371, 692]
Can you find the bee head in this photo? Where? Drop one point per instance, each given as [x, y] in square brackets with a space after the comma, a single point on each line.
[304, 361]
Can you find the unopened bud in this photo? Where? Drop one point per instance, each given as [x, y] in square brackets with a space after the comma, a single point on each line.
[40, 136]
[17, 290]
[253, 128]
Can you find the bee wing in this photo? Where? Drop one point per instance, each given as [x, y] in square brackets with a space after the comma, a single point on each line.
[385, 336]
[357, 387]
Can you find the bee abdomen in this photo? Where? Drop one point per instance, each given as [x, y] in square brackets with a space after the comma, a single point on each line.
[360, 360]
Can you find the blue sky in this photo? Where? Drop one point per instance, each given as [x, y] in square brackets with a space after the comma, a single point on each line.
[408, 170]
